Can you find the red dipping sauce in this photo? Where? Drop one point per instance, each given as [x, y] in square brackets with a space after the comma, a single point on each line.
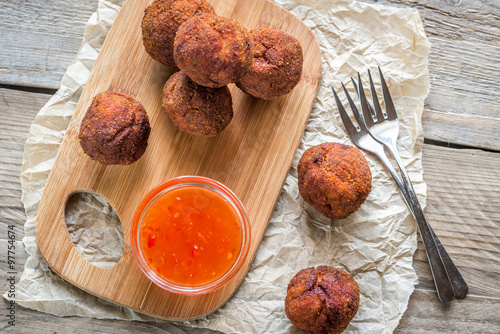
[190, 235]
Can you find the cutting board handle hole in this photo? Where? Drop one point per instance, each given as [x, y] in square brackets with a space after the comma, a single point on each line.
[94, 229]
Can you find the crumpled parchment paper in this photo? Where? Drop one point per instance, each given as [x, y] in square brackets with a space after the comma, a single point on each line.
[375, 244]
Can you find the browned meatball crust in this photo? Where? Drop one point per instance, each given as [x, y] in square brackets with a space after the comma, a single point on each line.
[115, 129]
[213, 51]
[160, 23]
[322, 300]
[334, 178]
[196, 109]
[276, 67]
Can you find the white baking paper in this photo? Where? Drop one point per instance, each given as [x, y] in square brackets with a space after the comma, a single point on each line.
[375, 244]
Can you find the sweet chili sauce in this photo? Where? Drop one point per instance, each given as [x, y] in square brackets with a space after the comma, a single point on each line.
[190, 236]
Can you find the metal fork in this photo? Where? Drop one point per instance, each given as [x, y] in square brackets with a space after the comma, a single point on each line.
[385, 129]
[376, 130]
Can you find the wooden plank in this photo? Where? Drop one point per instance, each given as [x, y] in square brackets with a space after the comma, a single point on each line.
[464, 208]
[471, 315]
[17, 110]
[472, 21]
[42, 61]
[464, 78]
[30, 321]
[40, 39]
[462, 129]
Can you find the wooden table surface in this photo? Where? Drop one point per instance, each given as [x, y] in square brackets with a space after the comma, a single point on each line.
[461, 159]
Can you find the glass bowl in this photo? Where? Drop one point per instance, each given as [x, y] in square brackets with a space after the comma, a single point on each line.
[171, 231]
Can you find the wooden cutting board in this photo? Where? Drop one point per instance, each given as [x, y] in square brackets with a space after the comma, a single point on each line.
[252, 156]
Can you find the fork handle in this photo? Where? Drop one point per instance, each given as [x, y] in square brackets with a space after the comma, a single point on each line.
[444, 288]
[458, 283]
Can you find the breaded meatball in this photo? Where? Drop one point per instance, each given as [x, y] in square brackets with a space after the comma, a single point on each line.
[160, 23]
[322, 300]
[196, 109]
[115, 129]
[334, 178]
[213, 51]
[276, 67]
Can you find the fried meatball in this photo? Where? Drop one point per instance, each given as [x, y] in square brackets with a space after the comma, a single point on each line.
[160, 23]
[276, 67]
[334, 178]
[213, 51]
[115, 129]
[196, 109]
[322, 300]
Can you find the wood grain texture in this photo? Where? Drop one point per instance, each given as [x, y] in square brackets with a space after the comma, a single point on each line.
[472, 315]
[453, 20]
[17, 110]
[40, 39]
[462, 129]
[465, 209]
[251, 156]
[458, 85]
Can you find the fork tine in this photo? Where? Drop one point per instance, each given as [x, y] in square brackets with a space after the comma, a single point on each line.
[376, 104]
[355, 111]
[351, 129]
[389, 105]
[355, 84]
[357, 92]
[364, 104]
